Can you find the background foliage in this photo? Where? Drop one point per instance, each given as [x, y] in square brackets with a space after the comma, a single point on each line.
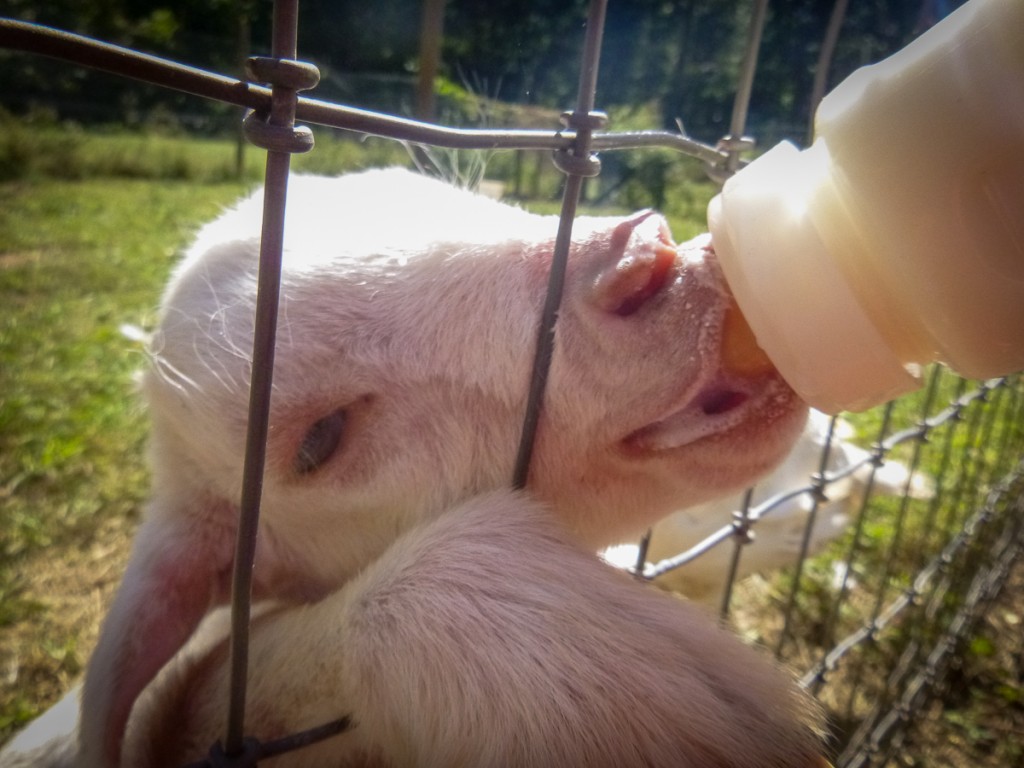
[677, 56]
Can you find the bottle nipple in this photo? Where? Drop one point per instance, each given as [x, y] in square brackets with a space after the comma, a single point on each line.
[741, 354]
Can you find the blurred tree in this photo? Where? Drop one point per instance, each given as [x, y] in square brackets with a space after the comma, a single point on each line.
[202, 33]
[519, 51]
[680, 56]
[825, 56]
[431, 37]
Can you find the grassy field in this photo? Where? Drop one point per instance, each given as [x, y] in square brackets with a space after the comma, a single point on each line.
[83, 258]
[78, 261]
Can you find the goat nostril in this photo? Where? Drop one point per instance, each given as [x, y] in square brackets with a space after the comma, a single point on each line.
[635, 276]
[623, 289]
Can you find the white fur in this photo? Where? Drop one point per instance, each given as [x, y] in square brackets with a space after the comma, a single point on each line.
[487, 637]
[490, 638]
[414, 307]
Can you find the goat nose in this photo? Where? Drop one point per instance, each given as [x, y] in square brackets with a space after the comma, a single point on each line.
[633, 272]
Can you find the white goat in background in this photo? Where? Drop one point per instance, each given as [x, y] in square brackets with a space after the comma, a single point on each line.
[777, 536]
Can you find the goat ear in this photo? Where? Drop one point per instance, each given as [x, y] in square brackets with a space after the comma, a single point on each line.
[182, 712]
[180, 563]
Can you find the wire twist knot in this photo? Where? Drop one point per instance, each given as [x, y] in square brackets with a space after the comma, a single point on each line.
[277, 131]
[247, 758]
[742, 530]
[579, 160]
[720, 171]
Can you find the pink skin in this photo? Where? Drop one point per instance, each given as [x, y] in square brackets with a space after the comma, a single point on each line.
[682, 449]
[421, 335]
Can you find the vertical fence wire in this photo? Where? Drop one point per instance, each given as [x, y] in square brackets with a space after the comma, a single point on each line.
[737, 140]
[577, 163]
[971, 570]
[742, 537]
[280, 121]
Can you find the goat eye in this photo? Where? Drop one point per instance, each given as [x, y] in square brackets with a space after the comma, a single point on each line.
[321, 442]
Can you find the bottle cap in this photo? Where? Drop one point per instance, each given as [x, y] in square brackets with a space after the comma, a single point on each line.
[791, 289]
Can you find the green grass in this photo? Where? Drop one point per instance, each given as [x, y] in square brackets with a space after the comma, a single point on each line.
[37, 147]
[77, 261]
[50, 152]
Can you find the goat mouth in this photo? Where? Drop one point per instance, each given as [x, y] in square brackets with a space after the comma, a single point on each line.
[716, 408]
[717, 401]
[737, 389]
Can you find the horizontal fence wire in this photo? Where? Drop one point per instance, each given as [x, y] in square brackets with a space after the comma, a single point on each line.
[997, 546]
[84, 51]
[971, 431]
[817, 485]
[920, 595]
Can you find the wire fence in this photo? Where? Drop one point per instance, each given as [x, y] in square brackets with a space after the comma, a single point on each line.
[876, 622]
[912, 599]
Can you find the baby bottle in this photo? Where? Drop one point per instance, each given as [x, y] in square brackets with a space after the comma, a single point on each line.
[897, 238]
